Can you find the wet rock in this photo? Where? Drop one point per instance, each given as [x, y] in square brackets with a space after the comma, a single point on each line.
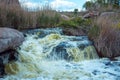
[60, 52]
[10, 55]
[6, 57]
[82, 46]
[10, 39]
[2, 72]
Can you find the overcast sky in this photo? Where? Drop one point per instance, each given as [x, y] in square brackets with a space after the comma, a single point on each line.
[59, 5]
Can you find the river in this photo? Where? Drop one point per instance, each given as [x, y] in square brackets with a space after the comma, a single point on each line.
[47, 54]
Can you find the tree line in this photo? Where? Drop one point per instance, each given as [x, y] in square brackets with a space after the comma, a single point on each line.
[98, 4]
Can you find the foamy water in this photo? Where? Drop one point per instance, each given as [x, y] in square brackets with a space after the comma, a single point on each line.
[39, 60]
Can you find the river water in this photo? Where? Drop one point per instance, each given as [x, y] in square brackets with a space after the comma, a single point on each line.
[47, 54]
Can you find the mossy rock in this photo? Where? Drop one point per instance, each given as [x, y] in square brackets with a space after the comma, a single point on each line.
[12, 68]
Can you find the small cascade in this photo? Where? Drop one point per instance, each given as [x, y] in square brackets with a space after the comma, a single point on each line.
[52, 57]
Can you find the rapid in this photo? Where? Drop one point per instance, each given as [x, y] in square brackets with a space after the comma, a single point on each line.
[47, 54]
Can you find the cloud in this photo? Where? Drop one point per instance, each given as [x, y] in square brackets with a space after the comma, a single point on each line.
[63, 5]
[30, 4]
[88, 0]
[59, 5]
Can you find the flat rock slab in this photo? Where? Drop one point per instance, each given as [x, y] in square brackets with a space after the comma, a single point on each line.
[10, 39]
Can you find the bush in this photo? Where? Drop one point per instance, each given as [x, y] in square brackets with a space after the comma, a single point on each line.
[67, 23]
[75, 23]
[82, 22]
[106, 36]
[94, 31]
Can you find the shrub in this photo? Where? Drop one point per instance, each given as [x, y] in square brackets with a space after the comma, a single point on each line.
[75, 23]
[67, 23]
[82, 22]
[107, 38]
[94, 32]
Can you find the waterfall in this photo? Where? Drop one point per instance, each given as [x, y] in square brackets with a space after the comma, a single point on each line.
[54, 56]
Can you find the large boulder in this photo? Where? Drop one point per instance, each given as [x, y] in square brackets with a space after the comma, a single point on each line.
[65, 17]
[10, 39]
[91, 14]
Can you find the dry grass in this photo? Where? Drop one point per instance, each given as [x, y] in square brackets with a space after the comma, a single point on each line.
[14, 16]
[47, 18]
[107, 41]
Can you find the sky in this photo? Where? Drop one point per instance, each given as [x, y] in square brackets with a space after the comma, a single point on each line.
[59, 5]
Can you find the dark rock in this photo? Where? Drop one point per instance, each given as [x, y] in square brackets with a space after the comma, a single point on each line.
[9, 55]
[59, 52]
[6, 57]
[82, 46]
[10, 39]
[2, 72]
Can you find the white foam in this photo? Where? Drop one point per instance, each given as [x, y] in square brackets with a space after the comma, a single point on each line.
[34, 66]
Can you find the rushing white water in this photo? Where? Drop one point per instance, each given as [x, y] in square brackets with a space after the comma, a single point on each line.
[59, 57]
